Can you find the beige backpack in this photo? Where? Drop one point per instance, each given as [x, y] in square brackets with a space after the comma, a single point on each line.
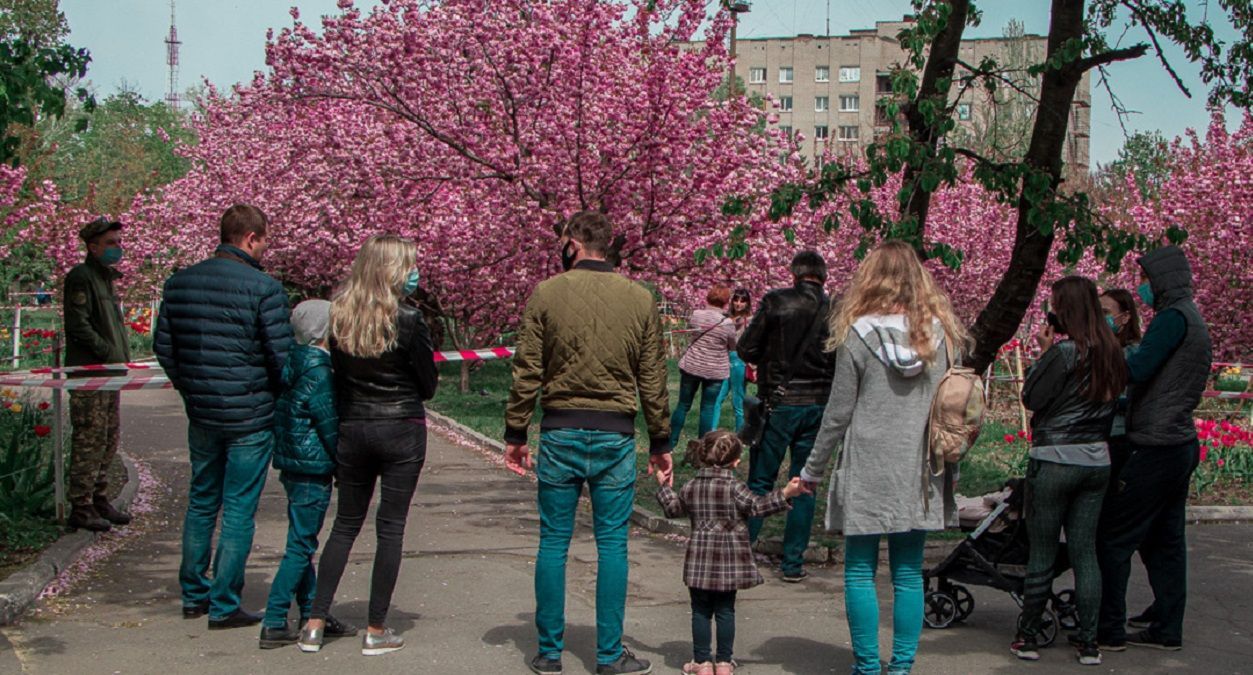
[956, 414]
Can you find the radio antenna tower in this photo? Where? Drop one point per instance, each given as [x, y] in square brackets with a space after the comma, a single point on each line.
[172, 98]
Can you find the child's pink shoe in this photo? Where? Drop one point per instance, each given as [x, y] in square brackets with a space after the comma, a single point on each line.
[725, 668]
[694, 668]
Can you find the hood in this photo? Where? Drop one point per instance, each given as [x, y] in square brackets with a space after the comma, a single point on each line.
[887, 337]
[1170, 275]
[300, 360]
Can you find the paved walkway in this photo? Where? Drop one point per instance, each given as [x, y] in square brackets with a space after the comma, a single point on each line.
[464, 600]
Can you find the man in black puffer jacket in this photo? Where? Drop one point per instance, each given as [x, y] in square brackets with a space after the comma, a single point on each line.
[1145, 507]
[222, 337]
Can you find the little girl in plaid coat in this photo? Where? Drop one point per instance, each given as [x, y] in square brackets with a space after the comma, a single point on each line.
[719, 558]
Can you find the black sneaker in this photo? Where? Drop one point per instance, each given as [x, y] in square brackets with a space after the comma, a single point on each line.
[1112, 645]
[1087, 652]
[1147, 639]
[1025, 649]
[195, 611]
[273, 638]
[795, 577]
[239, 619]
[337, 629]
[626, 664]
[1143, 619]
[545, 666]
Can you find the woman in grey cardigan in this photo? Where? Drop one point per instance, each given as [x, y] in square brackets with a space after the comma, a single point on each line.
[890, 336]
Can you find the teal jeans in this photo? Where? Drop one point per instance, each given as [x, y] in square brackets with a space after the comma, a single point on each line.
[605, 461]
[735, 386]
[794, 426]
[861, 603]
[710, 399]
[307, 500]
[227, 475]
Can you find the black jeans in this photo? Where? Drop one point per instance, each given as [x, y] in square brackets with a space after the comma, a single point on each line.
[1145, 510]
[705, 606]
[391, 452]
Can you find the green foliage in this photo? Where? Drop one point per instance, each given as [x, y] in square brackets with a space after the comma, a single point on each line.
[129, 148]
[1143, 155]
[29, 88]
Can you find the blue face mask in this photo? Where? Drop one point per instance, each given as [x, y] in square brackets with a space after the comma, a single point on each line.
[1109, 319]
[411, 284]
[111, 256]
[1145, 291]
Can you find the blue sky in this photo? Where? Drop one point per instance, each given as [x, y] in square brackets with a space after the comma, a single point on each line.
[223, 41]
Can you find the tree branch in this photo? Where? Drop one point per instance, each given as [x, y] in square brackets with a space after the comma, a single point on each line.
[1105, 58]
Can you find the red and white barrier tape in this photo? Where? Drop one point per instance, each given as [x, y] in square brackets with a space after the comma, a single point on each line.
[1237, 395]
[126, 383]
[475, 355]
[98, 367]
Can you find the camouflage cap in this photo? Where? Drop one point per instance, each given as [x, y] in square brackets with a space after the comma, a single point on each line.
[98, 227]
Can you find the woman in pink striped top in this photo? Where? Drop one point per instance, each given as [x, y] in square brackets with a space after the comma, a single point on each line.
[705, 364]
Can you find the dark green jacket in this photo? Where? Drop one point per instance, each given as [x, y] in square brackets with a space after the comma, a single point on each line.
[591, 342]
[93, 318]
[306, 425]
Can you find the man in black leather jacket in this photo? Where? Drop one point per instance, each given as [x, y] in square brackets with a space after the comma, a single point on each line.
[772, 338]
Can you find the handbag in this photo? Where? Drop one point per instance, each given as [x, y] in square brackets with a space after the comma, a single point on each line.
[757, 409]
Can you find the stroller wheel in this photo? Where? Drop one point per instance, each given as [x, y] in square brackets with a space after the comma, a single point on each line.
[1049, 626]
[965, 601]
[939, 610]
[1067, 610]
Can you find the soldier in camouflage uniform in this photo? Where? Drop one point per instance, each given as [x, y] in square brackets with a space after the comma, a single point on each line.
[94, 334]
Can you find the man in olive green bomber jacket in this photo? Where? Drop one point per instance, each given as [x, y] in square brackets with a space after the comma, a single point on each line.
[591, 341]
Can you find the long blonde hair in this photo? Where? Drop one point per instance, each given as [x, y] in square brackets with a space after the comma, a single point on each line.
[892, 280]
[363, 310]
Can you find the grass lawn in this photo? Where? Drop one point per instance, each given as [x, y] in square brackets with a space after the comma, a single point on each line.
[985, 469]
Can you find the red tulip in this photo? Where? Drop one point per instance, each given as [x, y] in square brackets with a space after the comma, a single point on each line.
[44, 405]
[42, 430]
[1009, 438]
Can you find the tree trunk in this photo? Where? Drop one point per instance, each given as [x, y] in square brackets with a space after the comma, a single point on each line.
[1000, 319]
[941, 62]
[465, 377]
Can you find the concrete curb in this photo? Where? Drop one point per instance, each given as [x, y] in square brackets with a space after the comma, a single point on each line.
[19, 591]
[1220, 514]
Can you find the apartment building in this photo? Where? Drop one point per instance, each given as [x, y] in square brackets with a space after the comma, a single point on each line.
[826, 88]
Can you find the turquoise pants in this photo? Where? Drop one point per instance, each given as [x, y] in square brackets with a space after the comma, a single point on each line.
[605, 461]
[307, 500]
[861, 561]
[227, 474]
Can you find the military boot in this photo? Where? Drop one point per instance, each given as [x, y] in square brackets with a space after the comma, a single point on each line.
[105, 508]
[84, 516]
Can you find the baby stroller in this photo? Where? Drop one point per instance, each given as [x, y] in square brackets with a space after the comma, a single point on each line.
[994, 554]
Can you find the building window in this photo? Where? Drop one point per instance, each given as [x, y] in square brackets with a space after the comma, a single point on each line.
[850, 103]
[822, 74]
[757, 75]
[786, 129]
[822, 103]
[785, 103]
[847, 133]
[883, 83]
[785, 75]
[850, 74]
[963, 111]
[821, 133]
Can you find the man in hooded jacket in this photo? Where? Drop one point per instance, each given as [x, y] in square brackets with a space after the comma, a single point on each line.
[1145, 506]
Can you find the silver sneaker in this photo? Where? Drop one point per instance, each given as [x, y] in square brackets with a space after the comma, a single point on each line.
[310, 639]
[386, 642]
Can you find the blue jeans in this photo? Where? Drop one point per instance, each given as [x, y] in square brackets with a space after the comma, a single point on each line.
[227, 474]
[709, 403]
[861, 604]
[794, 426]
[307, 500]
[736, 387]
[604, 460]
